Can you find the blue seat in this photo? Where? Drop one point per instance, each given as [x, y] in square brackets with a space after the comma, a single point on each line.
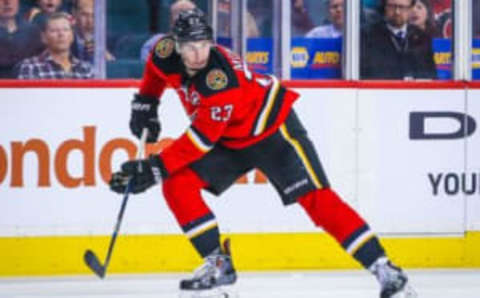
[125, 69]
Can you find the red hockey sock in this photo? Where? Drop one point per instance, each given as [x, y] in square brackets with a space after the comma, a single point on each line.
[329, 212]
[182, 193]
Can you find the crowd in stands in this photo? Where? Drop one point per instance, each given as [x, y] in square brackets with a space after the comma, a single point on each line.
[19, 38]
[57, 60]
[33, 31]
[434, 16]
[394, 48]
[396, 35]
[46, 39]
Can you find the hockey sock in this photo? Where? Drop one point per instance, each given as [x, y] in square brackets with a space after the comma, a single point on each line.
[329, 212]
[204, 235]
[182, 193]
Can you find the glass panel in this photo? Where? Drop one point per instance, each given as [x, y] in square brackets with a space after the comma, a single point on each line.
[317, 37]
[133, 28]
[224, 23]
[260, 36]
[414, 41]
[476, 40]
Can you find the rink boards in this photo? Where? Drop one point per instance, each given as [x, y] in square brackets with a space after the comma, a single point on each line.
[404, 155]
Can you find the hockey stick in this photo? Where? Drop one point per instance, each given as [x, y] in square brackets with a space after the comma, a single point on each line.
[89, 257]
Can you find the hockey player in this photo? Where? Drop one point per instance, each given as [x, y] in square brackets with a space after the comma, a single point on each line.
[239, 121]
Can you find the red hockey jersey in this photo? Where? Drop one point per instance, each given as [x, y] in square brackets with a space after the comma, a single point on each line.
[227, 104]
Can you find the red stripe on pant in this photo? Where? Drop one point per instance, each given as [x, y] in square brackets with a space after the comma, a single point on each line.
[329, 212]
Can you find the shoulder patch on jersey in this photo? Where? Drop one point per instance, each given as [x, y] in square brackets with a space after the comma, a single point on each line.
[218, 76]
[216, 79]
[165, 57]
[165, 47]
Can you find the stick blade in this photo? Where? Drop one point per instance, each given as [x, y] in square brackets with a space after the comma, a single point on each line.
[93, 263]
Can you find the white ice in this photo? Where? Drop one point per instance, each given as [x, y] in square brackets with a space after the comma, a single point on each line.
[318, 284]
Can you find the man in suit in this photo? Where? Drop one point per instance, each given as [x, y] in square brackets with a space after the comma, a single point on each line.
[83, 46]
[393, 49]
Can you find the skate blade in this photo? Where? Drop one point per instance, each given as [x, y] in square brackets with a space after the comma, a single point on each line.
[407, 292]
[220, 292]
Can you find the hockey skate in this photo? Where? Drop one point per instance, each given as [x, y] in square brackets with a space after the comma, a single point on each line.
[393, 281]
[211, 279]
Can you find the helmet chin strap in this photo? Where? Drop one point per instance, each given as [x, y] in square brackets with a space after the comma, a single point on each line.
[177, 47]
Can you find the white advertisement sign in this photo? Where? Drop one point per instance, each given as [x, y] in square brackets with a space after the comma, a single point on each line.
[409, 143]
[471, 178]
[59, 147]
[395, 155]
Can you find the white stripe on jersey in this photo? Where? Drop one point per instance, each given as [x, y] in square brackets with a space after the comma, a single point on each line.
[272, 95]
[197, 141]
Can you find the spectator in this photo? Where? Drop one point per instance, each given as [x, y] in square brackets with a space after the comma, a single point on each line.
[252, 28]
[49, 6]
[39, 14]
[224, 28]
[423, 17]
[394, 49]
[443, 17]
[56, 62]
[175, 9]
[301, 21]
[224, 21]
[335, 28]
[18, 39]
[83, 46]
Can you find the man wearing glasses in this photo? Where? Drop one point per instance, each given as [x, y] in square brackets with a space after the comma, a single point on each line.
[393, 49]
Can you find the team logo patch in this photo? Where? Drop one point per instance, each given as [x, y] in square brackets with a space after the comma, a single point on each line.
[217, 79]
[164, 48]
[194, 98]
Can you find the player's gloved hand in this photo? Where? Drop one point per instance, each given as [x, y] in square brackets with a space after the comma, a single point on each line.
[145, 114]
[144, 174]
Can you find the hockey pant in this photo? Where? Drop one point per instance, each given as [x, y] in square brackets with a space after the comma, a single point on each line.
[323, 206]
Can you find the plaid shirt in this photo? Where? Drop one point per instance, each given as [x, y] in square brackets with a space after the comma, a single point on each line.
[44, 67]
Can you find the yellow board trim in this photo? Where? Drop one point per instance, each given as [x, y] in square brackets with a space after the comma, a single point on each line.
[301, 153]
[29, 256]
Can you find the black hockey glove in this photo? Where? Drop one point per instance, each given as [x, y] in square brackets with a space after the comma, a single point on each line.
[145, 114]
[144, 174]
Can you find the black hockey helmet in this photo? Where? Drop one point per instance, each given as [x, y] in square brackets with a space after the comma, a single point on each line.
[192, 25]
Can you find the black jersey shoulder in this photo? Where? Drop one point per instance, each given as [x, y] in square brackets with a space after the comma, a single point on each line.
[218, 76]
[165, 57]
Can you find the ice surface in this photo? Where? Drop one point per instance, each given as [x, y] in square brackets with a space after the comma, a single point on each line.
[318, 284]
